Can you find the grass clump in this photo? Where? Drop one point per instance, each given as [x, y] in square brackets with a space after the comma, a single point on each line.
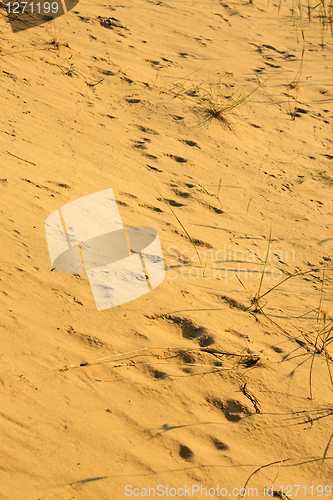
[294, 85]
[322, 339]
[318, 340]
[322, 10]
[218, 106]
[212, 101]
[257, 297]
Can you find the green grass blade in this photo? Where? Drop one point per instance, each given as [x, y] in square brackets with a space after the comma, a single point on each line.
[185, 231]
[265, 264]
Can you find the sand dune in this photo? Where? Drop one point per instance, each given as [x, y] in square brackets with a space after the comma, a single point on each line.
[187, 386]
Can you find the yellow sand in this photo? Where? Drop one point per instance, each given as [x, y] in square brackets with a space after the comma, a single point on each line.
[113, 108]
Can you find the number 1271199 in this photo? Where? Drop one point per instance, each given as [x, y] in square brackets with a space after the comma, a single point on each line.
[32, 8]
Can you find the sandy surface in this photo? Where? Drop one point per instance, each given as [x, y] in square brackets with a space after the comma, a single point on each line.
[186, 385]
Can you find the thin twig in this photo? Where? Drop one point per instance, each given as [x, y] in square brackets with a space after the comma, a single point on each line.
[27, 161]
[145, 349]
[262, 467]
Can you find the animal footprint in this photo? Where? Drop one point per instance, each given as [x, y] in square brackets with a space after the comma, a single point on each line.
[154, 64]
[146, 130]
[219, 445]
[206, 340]
[234, 304]
[234, 410]
[107, 72]
[190, 330]
[128, 194]
[183, 194]
[191, 143]
[158, 375]
[155, 209]
[185, 452]
[175, 203]
[178, 159]
[133, 101]
[139, 145]
[214, 209]
[154, 168]
[111, 23]
[151, 157]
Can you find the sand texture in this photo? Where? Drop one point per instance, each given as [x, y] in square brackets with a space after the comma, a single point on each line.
[206, 115]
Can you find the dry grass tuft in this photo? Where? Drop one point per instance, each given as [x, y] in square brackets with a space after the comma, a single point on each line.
[211, 101]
